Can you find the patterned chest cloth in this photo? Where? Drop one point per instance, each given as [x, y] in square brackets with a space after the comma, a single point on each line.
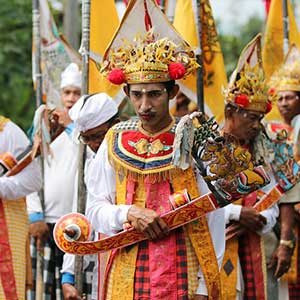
[136, 151]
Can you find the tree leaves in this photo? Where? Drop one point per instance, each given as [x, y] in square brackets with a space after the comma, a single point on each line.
[17, 96]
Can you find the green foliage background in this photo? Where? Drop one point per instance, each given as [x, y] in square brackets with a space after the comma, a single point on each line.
[16, 94]
[17, 100]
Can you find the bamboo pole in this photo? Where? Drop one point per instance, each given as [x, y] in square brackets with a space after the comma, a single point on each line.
[37, 75]
[285, 27]
[82, 148]
[200, 94]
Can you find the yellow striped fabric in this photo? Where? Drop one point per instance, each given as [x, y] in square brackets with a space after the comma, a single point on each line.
[18, 230]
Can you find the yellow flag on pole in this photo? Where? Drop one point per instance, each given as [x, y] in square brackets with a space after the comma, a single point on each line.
[273, 46]
[214, 75]
[272, 53]
[104, 22]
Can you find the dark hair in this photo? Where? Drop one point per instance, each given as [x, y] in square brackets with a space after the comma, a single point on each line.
[112, 119]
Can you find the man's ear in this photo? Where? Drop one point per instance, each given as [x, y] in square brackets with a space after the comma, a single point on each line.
[174, 91]
[126, 90]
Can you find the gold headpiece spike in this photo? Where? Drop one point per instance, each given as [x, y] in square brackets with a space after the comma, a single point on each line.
[247, 87]
[157, 55]
[287, 77]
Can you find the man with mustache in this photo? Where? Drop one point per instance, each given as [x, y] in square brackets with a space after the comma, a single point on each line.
[247, 101]
[286, 83]
[132, 176]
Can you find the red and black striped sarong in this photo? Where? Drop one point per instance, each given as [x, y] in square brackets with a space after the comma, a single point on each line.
[142, 274]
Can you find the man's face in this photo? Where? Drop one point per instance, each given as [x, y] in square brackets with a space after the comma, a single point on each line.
[69, 96]
[288, 104]
[95, 136]
[151, 103]
[245, 124]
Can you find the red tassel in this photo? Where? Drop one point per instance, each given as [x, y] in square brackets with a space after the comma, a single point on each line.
[242, 100]
[176, 71]
[116, 76]
[148, 23]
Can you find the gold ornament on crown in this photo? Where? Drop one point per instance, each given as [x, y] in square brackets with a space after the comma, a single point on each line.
[287, 77]
[250, 90]
[148, 60]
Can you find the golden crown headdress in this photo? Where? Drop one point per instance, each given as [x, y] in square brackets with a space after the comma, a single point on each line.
[247, 87]
[154, 55]
[287, 77]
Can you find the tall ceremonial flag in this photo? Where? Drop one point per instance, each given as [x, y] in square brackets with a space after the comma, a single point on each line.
[214, 74]
[273, 40]
[272, 52]
[104, 22]
[56, 54]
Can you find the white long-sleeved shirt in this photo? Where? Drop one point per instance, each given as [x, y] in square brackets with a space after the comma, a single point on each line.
[108, 218]
[60, 181]
[14, 140]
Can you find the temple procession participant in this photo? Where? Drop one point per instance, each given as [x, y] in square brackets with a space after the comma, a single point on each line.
[251, 265]
[60, 181]
[15, 267]
[286, 83]
[92, 117]
[132, 176]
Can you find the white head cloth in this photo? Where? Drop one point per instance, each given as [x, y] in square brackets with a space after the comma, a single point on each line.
[95, 111]
[71, 76]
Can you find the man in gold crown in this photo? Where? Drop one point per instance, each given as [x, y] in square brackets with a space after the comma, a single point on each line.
[247, 101]
[15, 272]
[286, 83]
[132, 176]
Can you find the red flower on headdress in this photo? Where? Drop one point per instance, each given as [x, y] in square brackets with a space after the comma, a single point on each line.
[269, 107]
[272, 91]
[116, 76]
[242, 100]
[176, 71]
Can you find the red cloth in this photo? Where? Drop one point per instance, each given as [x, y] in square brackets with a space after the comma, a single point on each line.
[267, 4]
[142, 274]
[250, 259]
[6, 261]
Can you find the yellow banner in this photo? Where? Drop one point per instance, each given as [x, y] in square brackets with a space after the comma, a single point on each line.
[103, 23]
[214, 74]
[272, 52]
